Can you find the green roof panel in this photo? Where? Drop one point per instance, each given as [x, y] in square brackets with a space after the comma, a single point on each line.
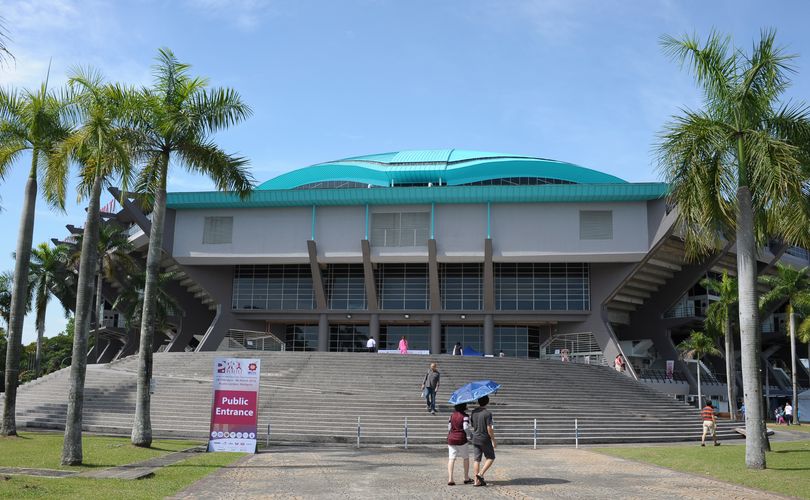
[549, 193]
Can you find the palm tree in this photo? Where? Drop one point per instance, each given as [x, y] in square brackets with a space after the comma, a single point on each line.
[99, 146]
[696, 346]
[736, 172]
[49, 275]
[6, 286]
[720, 317]
[114, 250]
[29, 121]
[4, 52]
[130, 301]
[176, 118]
[791, 285]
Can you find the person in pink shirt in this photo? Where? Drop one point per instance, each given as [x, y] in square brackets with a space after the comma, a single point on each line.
[403, 345]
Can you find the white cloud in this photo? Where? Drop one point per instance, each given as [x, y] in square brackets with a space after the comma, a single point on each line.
[244, 14]
[66, 32]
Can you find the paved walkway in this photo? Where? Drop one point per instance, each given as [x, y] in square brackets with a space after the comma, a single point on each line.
[422, 473]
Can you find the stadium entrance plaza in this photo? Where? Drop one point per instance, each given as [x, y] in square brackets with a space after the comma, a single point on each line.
[551, 472]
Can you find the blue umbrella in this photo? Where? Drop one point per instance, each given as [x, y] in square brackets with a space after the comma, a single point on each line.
[474, 390]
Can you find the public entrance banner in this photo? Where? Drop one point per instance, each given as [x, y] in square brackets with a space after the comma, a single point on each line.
[234, 410]
[670, 368]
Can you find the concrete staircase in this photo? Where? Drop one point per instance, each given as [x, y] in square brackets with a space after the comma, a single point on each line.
[318, 397]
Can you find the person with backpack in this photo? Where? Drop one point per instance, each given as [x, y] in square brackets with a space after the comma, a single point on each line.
[430, 385]
[458, 428]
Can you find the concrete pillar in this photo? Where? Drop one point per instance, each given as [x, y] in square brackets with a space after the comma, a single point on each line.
[435, 334]
[489, 334]
[374, 328]
[323, 333]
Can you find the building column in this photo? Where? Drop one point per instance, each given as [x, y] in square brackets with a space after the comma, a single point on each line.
[374, 328]
[435, 334]
[323, 333]
[489, 334]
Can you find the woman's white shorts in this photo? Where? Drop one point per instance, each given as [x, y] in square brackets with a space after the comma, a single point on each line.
[459, 450]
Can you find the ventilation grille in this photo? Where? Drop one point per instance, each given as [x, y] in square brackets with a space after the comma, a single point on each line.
[596, 225]
[218, 230]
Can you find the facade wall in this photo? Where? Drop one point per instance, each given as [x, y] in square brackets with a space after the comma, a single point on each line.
[521, 232]
[549, 232]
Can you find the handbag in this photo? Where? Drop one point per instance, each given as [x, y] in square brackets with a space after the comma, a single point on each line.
[424, 392]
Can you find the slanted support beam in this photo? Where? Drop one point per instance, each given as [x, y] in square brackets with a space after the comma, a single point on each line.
[489, 278]
[368, 275]
[317, 278]
[433, 274]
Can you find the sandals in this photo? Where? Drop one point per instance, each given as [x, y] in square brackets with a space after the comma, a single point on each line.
[480, 482]
[468, 481]
[451, 483]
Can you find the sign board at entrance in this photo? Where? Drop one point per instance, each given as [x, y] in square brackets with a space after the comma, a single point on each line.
[670, 368]
[234, 409]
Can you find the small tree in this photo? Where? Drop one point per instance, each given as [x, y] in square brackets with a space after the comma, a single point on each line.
[48, 277]
[696, 346]
[720, 318]
[791, 285]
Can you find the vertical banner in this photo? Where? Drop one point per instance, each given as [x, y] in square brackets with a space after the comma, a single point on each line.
[670, 368]
[234, 410]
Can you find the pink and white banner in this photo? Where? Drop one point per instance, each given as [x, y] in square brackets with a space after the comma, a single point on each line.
[235, 407]
[670, 368]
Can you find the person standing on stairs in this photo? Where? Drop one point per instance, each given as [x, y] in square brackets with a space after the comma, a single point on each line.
[430, 385]
[403, 345]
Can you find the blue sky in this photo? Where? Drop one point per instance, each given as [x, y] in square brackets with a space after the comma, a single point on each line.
[574, 80]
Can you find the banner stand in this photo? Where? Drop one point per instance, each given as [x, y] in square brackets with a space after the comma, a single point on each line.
[235, 405]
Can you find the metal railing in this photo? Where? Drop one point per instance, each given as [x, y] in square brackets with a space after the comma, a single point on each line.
[246, 340]
[387, 237]
[657, 375]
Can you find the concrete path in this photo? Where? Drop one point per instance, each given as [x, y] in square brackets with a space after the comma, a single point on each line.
[422, 473]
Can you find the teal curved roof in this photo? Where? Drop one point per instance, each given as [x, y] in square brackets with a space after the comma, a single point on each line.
[450, 167]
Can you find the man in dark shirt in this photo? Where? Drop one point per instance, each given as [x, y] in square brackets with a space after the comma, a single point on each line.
[483, 438]
[431, 384]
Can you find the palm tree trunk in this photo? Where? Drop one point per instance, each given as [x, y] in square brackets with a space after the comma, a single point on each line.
[730, 370]
[72, 447]
[40, 335]
[99, 306]
[750, 345]
[18, 301]
[795, 402]
[700, 393]
[142, 425]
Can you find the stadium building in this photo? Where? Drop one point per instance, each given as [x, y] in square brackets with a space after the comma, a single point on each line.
[526, 256]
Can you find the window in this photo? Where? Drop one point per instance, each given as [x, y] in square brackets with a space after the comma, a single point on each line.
[519, 341]
[418, 336]
[345, 286]
[348, 338]
[461, 286]
[542, 287]
[403, 286]
[518, 181]
[400, 229]
[218, 230]
[279, 287]
[595, 225]
[470, 336]
[301, 338]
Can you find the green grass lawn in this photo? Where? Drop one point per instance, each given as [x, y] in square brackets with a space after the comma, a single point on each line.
[788, 469]
[794, 428]
[42, 450]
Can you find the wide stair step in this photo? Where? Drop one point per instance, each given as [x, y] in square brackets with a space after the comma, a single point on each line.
[318, 397]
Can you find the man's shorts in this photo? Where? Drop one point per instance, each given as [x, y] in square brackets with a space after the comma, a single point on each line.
[459, 450]
[484, 449]
[709, 427]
